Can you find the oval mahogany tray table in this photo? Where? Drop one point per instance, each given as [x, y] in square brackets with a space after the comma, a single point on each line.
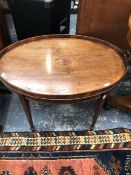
[61, 69]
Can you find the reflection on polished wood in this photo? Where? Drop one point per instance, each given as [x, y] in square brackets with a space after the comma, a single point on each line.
[62, 69]
[61, 66]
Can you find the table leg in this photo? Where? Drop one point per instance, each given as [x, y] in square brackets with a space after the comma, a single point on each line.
[99, 105]
[26, 107]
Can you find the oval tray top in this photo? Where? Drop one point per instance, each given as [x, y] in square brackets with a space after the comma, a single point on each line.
[61, 66]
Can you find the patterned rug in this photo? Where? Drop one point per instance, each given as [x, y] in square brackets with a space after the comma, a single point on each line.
[105, 152]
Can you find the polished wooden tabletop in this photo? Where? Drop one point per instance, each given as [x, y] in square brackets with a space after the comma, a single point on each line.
[61, 66]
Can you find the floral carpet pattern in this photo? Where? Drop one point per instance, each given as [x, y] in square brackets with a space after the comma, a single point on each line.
[106, 152]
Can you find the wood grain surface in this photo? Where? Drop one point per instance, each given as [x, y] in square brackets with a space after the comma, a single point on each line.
[122, 101]
[61, 66]
[105, 19]
[129, 32]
